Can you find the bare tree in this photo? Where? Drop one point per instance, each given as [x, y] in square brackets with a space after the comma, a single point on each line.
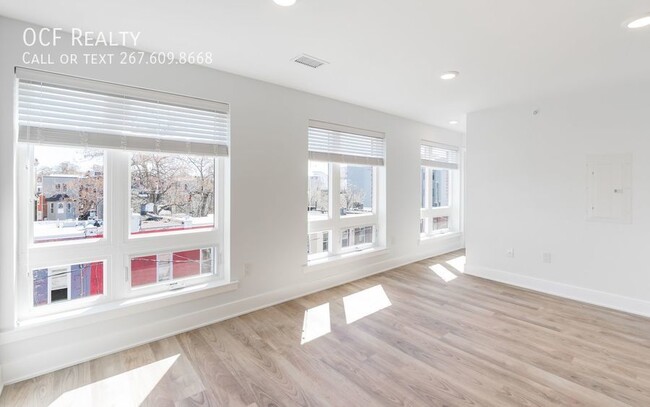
[318, 198]
[66, 167]
[351, 198]
[203, 185]
[90, 191]
[152, 177]
[318, 192]
[180, 184]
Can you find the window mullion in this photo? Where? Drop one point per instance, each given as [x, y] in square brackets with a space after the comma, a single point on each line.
[118, 222]
[356, 221]
[335, 206]
[219, 213]
[24, 226]
[427, 198]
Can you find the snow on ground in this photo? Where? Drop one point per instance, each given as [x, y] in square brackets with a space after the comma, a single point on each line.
[69, 229]
[73, 229]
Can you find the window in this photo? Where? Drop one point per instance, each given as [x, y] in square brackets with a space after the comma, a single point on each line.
[318, 244]
[440, 224]
[356, 189]
[64, 283]
[423, 187]
[171, 192]
[175, 266]
[439, 188]
[318, 190]
[359, 237]
[345, 165]
[440, 195]
[115, 171]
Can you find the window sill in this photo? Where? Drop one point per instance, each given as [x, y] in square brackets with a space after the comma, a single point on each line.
[42, 325]
[439, 237]
[331, 261]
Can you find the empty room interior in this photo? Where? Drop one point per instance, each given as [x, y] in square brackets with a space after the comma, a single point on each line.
[270, 203]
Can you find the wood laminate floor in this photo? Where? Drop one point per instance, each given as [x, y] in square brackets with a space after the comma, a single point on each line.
[424, 342]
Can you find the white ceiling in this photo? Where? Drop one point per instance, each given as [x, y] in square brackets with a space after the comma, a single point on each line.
[387, 55]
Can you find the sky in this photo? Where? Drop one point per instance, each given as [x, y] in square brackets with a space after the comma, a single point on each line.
[52, 156]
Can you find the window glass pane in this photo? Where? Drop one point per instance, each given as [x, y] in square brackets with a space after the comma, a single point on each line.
[187, 263]
[440, 224]
[439, 188]
[166, 267]
[69, 193]
[144, 270]
[356, 189]
[171, 192]
[318, 243]
[345, 238]
[358, 236]
[318, 190]
[423, 187]
[207, 261]
[364, 235]
[64, 283]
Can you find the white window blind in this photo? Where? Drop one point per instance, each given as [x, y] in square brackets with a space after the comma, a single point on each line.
[335, 143]
[64, 110]
[439, 155]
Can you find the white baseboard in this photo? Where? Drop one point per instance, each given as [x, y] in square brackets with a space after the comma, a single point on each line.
[79, 351]
[587, 295]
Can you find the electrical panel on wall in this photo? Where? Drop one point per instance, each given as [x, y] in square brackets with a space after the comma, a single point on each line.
[609, 188]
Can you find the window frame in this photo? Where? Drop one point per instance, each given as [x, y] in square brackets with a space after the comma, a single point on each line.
[115, 247]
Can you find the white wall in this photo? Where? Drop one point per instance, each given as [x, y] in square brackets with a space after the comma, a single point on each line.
[269, 158]
[526, 180]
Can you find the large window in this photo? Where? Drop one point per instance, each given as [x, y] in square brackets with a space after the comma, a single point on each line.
[126, 192]
[440, 195]
[342, 201]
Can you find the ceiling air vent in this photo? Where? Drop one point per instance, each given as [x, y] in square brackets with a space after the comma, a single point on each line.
[309, 61]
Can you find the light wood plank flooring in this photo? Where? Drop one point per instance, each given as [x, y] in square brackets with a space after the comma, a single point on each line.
[467, 341]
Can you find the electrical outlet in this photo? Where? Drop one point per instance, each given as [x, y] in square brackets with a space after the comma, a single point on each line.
[546, 257]
[247, 269]
[510, 252]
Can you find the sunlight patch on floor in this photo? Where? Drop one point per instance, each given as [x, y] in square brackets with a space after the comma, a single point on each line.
[458, 263]
[130, 388]
[443, 272]
[316, 323]
[364, 303]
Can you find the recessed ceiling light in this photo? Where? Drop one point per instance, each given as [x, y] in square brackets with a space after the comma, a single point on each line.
[449, 75]
[453, 122]
[639, 22]
[285, 3]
